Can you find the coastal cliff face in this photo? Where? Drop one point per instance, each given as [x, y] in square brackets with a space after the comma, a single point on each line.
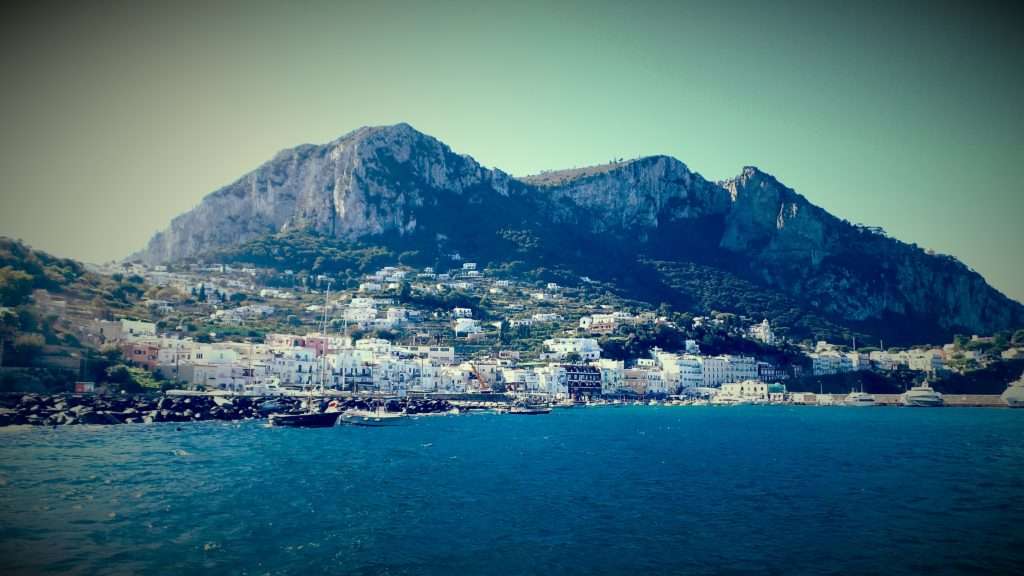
[396, 183]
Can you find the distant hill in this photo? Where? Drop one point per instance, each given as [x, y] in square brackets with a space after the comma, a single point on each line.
[85, 295]
[650, 227]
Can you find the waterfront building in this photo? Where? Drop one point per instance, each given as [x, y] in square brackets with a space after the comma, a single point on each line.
[611, 375]
[681, 372]
[582, 381]
[747, 390]
[644, 381]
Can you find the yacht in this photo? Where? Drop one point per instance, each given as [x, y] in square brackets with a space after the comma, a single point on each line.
[922, 396]
[1014, 394]
[859, 399]
[312, 414]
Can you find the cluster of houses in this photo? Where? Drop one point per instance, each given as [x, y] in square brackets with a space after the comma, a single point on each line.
[573, 367]
[570, 367]
[827, 359]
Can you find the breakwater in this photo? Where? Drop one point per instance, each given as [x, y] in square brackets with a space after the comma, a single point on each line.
[71, 409]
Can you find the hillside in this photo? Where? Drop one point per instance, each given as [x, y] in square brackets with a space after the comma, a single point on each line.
[44, 303]
[635, 225]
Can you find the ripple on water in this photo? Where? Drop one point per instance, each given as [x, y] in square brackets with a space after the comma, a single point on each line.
[635, 489]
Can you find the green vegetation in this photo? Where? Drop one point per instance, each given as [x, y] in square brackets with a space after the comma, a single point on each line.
[32, 331]
[309, 252]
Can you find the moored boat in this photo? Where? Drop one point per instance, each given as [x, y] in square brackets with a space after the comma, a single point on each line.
[528, 409]
[923, 396]
[1014, 393]
[305, 420]
[861, 399]
[378, 416]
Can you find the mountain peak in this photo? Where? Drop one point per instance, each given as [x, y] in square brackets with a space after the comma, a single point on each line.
[395, 185]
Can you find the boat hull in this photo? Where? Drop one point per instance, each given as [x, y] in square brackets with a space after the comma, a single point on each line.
[922, 402]
[1014, 401]
[373, 420]
[314, 420]
[529, 411]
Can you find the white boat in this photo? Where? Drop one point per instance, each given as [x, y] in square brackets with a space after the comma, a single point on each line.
[859, 399]
[378, 416]
[922, 396]
[528, 409]
[1014, 394]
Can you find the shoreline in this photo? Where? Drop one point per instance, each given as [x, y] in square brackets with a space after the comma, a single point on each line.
[90, 409]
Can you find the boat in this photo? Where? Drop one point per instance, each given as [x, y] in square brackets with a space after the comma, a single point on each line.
[305, 420]
[922, 396]
[313, 415]
[859, 399]
[1014, 393]
[378, 416]
[528, 409]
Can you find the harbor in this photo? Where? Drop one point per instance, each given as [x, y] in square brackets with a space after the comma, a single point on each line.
[188, 406]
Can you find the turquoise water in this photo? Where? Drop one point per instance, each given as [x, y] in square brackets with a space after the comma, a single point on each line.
[587, 490]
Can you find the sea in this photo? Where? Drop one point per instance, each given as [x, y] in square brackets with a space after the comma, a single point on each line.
[608, 490]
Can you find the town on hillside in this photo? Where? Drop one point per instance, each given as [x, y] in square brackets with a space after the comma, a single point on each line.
[399, 331]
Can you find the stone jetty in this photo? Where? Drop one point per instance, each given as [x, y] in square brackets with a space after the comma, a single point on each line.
[70, 409]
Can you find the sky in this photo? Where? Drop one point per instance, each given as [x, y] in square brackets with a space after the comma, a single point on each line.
[117, 116]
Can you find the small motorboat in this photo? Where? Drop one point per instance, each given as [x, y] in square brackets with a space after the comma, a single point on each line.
[305, 420]
[378, 416]
[528, 409]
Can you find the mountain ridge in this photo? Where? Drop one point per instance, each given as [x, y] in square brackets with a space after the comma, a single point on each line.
[397, 185]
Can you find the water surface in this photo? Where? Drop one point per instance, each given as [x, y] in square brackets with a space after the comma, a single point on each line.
[587, 490]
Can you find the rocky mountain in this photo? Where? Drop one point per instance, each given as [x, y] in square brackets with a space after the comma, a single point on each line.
[651, 227]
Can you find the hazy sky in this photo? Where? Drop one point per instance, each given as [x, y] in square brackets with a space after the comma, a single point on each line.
[118, 116]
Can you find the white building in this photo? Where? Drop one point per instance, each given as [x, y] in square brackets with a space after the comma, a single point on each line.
[747, 389]
[585, 348]
[611, 375]
[466, 326]
[762, 332]
[681, 372]
[546, 317]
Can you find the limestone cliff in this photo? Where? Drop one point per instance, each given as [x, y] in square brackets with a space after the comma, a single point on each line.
[396, 183]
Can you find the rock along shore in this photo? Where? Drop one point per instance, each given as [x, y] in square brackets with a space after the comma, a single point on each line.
[70, 409]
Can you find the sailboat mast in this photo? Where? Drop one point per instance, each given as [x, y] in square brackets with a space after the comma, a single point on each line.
[323, 337]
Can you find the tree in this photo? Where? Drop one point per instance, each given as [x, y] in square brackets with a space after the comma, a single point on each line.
[27, 346]
[238, 297]
[15, 286]
[1001, 342]
[9, 323]
[201, 296]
